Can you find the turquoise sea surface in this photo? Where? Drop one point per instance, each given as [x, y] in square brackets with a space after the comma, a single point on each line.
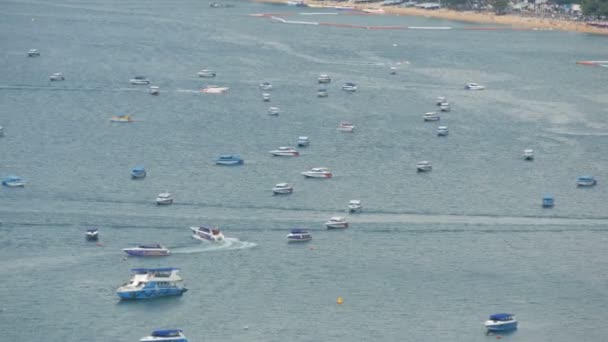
[429, 258]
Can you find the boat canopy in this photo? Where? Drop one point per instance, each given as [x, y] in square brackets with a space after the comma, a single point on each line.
[92, 230]
[166, 333]
[148, 270]
[150, 245]
[580, 177]
[229, 156]
[298, 231]
[548, 197]
[12, 178]
[349, 84]
[501, 317]
[139, 169]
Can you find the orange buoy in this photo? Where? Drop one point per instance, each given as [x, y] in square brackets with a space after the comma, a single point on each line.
[339, 300]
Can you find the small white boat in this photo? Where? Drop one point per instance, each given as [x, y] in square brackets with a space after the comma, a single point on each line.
[501, 322]
[282, 188]
[214, 89]
[265, 86]
[121, 118]
[354, 206]
[528, 154]
[431, 116]
[138, 80]
[441, 99]
[166, 335]
[324, 78]
[346, 126]
[265, 97]
[298, 235]
[206, 73]
[473, 86]
[164, 198]
[586, 181]
[322, 92]
[318, 172]
[349, 86]
[33, 53]
[14, 182]
[285, 151]
[212, 234]
[92, 234]
[57, 77]
[303, 141]
[273, 111]
[154, 90]
[154, 249]
[393, 71]
[423, 166]
[336, 222]
[442, 131]
[444, 107]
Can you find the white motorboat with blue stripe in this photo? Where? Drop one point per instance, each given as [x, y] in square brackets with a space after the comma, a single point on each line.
[139, 80]
[298, 235]
[13, 182]
[92, 234]
[152, 249]
[282, 189]
[149, 283]
[501, 322]
[165, 335]
[586, 181]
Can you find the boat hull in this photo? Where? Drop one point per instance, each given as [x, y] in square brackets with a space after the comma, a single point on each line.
[336, 225]
[354, 209]
[138, 82]
[503, 326]
[282, 191]
[285, 154]
[90, 237]
[151, 293]
[138, 175]
[316, 175]
[231, 162]
[295, 239]
[146, 253]
[14, 184]
[164, 201]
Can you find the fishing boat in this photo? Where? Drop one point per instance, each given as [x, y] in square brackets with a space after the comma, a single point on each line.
[298, 235]
[13, 182]
[121, 118]
[282, 189]
[212, 234]
[444, 107]
[154, 90]
[91, 234]
[166, 335]
[318, 172]
[528, 154]
[164, 198]
[346, 126]
[322, 92]
[214, 89]
[265, 86]
[229, 159]
[501, 322]
[473, 86]
[349, 86]
[57, 77]
[303, 141]
[354, 206]
[266, 97]
[423, 166]
[153, 249]
[149, 283]
[139, 80]
[274, 110]
[207, 73]
[586, 181]
[324, 78]
[33, 53]
[336, 222]
[431, 116]
[548, 201]
[442, 131]
[285, 151]
[138, 172]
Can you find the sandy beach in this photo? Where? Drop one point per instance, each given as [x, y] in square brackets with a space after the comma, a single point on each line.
[514, 21]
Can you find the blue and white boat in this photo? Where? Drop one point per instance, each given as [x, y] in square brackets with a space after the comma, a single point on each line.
[303, 141]
[92, 234]
[152, 249]
[229, 159]
[581, 181]
[442, 131]
[349, 86]
[13, 181]
[138, 172]
[166, 335]
[548, 201]
[501, 322]
[149, 283]
[298, 235]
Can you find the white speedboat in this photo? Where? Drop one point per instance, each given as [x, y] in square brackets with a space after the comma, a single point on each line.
[266, 97]
[303, 141]
[473, 86]
[214, 89]
[212, 234]
[282, 189]
[57, 77]
[285, 151]
[322, 92]
[273, 111]
[393, 71]
[444, 107]
[138, 80]
[33, 53]
[154, 90]
[528, 154]
[153, 249]
[298, 235]
[349, 86]
[166, 335]
[442, 131]
[92, 234]
[266, 86]
[336, 222]
[501, 322]
[164, 198]
[423, 166]
[354, 206]
[431, 116]
[324, 78]
[346, 126]
[318, 172]
[206, 73]
[586, 181]
[121, 118]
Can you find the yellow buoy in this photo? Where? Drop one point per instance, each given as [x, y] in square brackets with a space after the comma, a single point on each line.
[339, 300]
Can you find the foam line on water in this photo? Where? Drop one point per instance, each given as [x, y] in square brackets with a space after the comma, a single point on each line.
[227, 245]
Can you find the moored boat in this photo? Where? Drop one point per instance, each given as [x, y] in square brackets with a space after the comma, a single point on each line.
[303, 141]
[298, 235]
[393, 70]
[444, 107]
[164, 198]
[265, 86]
[501, 322]
[473, 86]
[154, 249]
[274, 110]
[318, 172]
[528, 154]
[13, 181]
[139, 80]
[149, 283]
[431, 116]
[121, 118]
[265, 97]
[165, 335]
[336, 222]
[441, 99]
[154, 90]
[322, 92]
[91, 234]
[324, 78]
[354, 206]
[285, 151]
[423, 166]
[346, 126]
[282, 188]
[349, 86]
[57, 77]
[586, 181]
[207, 73]
[229, 159]
[442, 131]
[138, 172]
[212, 234]
[33, 53]
[548, 201]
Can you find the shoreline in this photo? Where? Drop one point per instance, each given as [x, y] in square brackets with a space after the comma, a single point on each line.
[513, 21]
